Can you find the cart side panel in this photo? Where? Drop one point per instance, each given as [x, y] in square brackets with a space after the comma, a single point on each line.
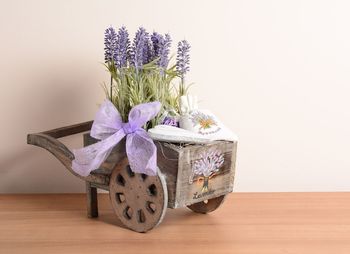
[168, 160]
[193, 187]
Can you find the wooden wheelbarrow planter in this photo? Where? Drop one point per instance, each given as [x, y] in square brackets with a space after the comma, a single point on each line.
[140, 201]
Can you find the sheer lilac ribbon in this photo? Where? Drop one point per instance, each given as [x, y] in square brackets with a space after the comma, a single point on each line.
[110, 129]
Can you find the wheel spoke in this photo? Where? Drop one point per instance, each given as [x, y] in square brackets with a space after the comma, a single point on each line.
[151, 207]
[141, 217]
[128, 213]
[120, 197]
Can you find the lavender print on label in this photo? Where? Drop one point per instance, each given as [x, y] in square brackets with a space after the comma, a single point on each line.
[206, 167]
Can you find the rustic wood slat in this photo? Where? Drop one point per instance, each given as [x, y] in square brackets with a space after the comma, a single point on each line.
[167, 160]
[91, 201]
[69, 130]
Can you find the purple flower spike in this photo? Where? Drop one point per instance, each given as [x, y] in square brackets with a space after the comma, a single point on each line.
[148, 52]
[110, 44]
[140, 51]
[164, 52]
[183, 58]
[161, 47]
[157, 39]
[122, 48]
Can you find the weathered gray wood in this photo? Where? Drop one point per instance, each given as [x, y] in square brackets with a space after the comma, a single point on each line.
[69, 130]
[91, 201]
[168, 162]
[63, 154]
[100, 186]
[139, 200]
[189, 192]
[176, 162]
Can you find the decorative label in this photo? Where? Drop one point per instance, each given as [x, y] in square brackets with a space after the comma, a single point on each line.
[204, 123]
[204, 168]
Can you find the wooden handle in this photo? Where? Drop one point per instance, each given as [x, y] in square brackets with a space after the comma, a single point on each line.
[48, 140]
[69, 130]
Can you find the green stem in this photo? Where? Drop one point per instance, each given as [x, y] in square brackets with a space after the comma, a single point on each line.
[111, 89]
[205, 187]
[182, 87]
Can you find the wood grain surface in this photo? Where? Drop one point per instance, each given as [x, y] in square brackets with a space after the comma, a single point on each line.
[249, 223]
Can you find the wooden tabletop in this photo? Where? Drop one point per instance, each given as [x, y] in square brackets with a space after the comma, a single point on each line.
[249, 223]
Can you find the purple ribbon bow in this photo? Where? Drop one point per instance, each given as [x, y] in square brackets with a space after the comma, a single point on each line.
[110, 129]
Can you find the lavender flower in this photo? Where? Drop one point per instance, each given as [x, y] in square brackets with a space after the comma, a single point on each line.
[170, 121]
[140, 51]
[161, 47]
[110, 44]
[148, 52]
[156, 39]
[122, 48]
[183, 58]
[164, 52]
[208, 163]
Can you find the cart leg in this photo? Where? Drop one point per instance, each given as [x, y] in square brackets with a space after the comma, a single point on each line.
[91, 198]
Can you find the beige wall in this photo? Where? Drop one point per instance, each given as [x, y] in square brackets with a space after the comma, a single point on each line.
[276, 72]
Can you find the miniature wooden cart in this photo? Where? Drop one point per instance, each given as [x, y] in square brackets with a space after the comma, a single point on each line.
[140, 201]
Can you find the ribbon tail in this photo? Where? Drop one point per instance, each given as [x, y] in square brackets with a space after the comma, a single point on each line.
[91, 157]
[142, 153]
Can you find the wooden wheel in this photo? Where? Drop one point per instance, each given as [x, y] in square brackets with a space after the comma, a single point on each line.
[139, 200]
[207, 206]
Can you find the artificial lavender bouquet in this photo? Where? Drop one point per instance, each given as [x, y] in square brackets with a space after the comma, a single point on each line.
[142, 94]
[141, 72]
[146, 100]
